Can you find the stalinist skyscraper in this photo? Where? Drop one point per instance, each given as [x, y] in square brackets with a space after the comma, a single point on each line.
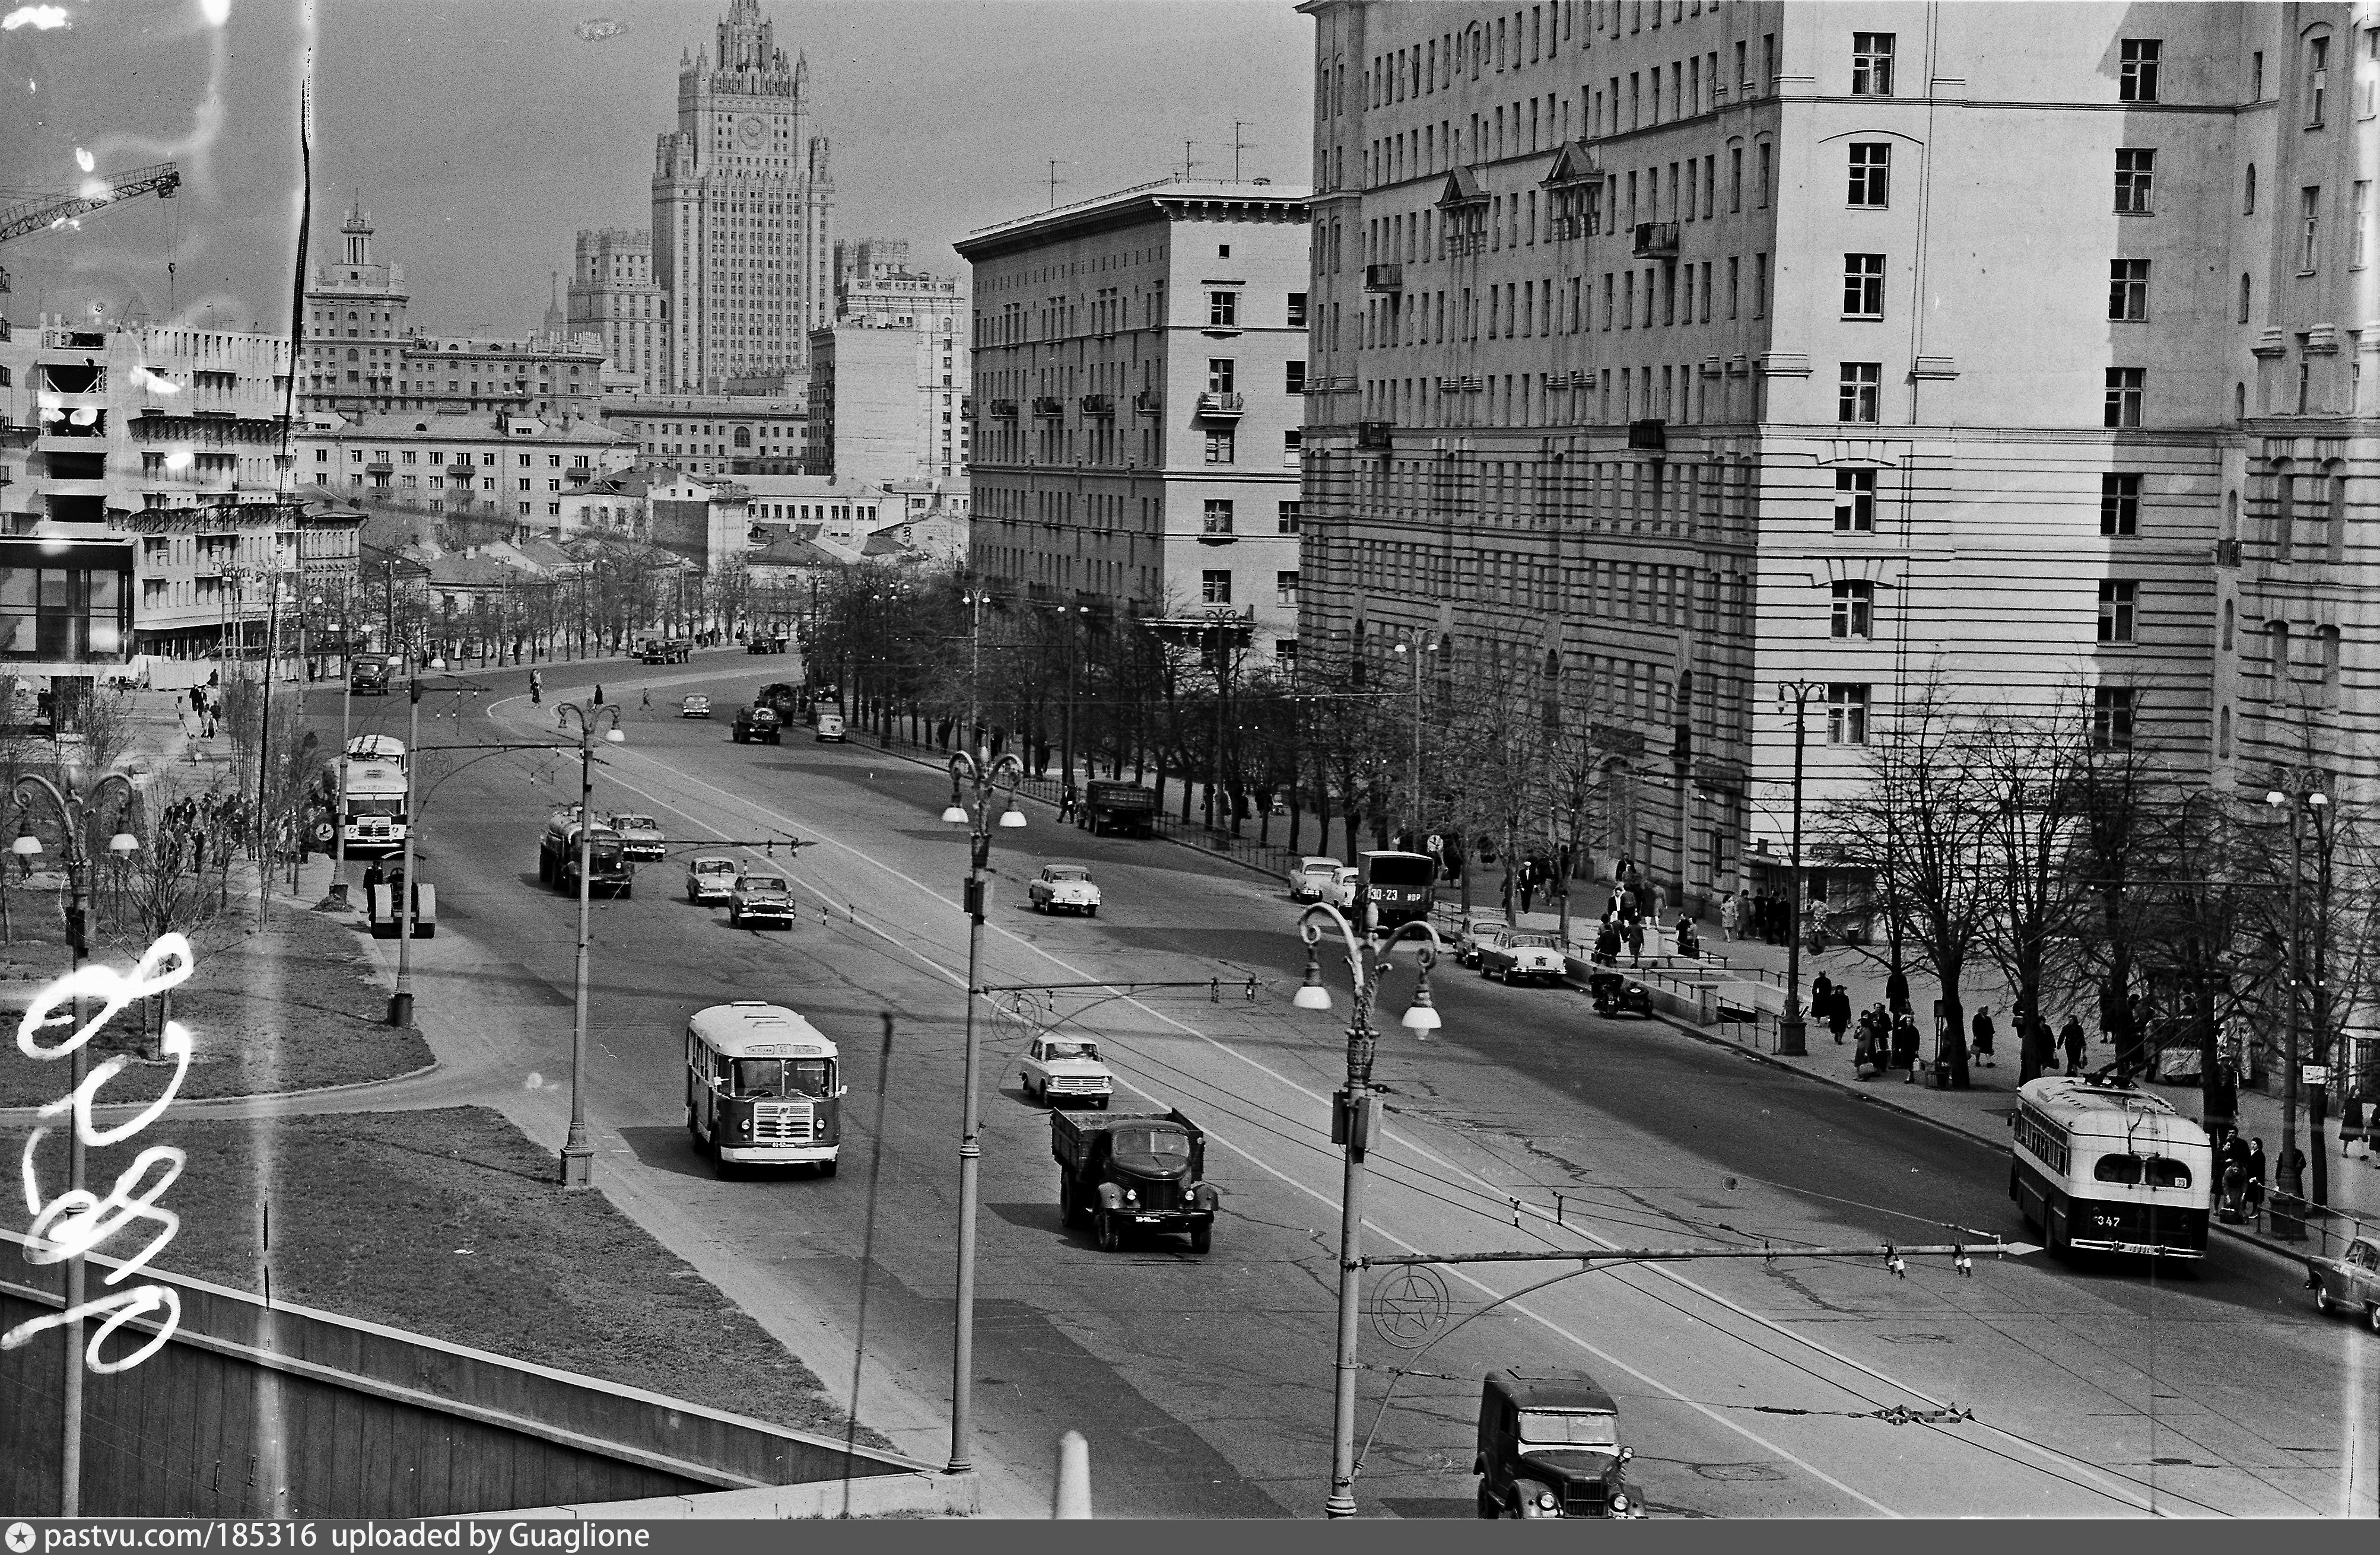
[741, 202]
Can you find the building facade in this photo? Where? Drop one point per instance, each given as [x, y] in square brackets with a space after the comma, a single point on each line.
[1667, 354]
[354, 325]
[613, 296]
[886, 400]
[521, 474]
[553, 377]
[713, 434]
[1139, 362]
[742, 202]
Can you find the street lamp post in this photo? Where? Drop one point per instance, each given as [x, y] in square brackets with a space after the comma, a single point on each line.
[984, 773]
[2301, 794]
[73, 816]
[1792, 1034]
[577, 1153]
[1368, 958]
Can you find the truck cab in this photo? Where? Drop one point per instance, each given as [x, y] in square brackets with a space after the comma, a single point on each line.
[1124, 1173]
[1549, 1447]
[609, 873]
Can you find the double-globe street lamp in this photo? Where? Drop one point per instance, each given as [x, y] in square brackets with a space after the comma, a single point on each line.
[577, 1153]
[75, 817]
[1368, 958]
[984, 774]
[1791, 1033]
[2305, 791]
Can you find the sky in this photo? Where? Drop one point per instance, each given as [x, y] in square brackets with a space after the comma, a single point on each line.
[484, 134]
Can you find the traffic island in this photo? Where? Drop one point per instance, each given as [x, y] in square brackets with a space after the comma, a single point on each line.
[297, 1007]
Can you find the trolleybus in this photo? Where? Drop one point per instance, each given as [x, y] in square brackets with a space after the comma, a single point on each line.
[2105, 1168]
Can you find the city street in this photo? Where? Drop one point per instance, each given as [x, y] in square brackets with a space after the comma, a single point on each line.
[1204, 1383]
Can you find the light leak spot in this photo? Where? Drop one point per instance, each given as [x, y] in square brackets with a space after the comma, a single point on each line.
[216, 11]
[84, 159]
[41, 19]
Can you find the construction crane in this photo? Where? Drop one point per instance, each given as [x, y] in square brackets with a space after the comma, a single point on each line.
[43, 212]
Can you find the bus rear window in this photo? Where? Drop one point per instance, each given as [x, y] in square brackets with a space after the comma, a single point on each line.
[2119, 1169]
[2157, 1171]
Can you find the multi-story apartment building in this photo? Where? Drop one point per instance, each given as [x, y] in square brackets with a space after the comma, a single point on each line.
[520, 471]
[713, 434]
[553, 377]
[887, 397]
[613, 296]
[867, 258]
[354, 325]
[2297, 660]
[1666, 354]
[902, 300]
[1139, 363]
[742, 201]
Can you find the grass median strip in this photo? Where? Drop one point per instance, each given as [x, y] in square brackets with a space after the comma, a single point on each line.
[448, 1223]
[296, 1007]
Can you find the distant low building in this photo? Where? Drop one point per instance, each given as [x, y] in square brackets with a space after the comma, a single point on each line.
[713, 434]
[521, 469]
[700, 518]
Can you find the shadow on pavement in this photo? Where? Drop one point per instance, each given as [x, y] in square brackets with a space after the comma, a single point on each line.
[666, 1148]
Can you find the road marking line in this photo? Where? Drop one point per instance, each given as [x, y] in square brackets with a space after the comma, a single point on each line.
[959, 980]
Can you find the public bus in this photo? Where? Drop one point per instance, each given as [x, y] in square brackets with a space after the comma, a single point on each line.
[763, 1086]
[1399, 887]
[374, 798]
[2105, 1168]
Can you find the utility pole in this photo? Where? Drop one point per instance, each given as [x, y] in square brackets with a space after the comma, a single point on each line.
[1237, 146]
[1187, 165]
[1054, 182]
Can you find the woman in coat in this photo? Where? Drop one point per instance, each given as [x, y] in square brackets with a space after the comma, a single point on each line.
[1731, 916]
[1984, 1035]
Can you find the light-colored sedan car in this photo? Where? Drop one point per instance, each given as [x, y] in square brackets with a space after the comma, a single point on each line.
[1064, 888]
[1475, 929]
[2351, 1283]
[695, 706]
[711, 878]
[1311, 880]
[1345, 887]
[1521, 956]
[759, 899]
[1057, 1069]
[640, 837]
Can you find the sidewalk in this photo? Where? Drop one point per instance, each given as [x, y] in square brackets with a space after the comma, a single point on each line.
[1983, 1111]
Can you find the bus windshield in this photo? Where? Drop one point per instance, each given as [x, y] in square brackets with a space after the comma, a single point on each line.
[1401, 868]
[766, 1078]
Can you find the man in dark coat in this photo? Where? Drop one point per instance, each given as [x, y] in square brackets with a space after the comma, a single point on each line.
[1983, 1037]
[1838, 1016]
[1896, 992]
[2071, 1037]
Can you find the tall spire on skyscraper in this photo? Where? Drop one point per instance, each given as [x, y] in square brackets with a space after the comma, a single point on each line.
[555, 323]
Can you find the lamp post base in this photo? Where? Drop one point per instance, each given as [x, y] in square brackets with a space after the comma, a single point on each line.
[1341, 1504]
[577, 1166]
[1792, 1037]
[400, 1009]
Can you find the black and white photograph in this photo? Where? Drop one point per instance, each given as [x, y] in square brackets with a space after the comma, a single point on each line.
[1509, 758]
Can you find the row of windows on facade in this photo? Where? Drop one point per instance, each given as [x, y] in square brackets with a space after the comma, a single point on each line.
[1215, 587]
[439, 456]
[1110, 314]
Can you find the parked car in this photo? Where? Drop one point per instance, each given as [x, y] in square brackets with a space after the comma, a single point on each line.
[709, 877]
[1313, 878]
[1467, 938]
[695, 706]
[829, 728]
[1064, 888]
[1057, 1069]
[640, 837]
[1549, 1447]
[1519, 955]
[2351, 1283]
[1346, 887]
[756, 723]
[760, 899]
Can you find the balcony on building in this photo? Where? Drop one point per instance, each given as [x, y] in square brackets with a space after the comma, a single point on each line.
[1649, 435]
[380, 466]
[1048, 405]
[1219, 407]
[1098, 405]
[1374, 435]
[1657, 241]
[1384, 277]
[1149, 402]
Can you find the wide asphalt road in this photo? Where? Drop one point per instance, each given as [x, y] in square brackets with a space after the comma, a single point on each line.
[1746, 1387]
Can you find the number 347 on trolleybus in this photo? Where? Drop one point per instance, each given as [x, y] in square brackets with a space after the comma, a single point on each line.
[2104, 1168]
[763, 1087]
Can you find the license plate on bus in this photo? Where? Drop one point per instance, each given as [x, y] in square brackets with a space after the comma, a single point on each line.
[2134, 1248]
[1148, 1220]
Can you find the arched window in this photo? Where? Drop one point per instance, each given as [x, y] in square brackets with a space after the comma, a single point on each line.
[2329, 638]
[2239, 401]
[351, 353]
[2229, 615]
[2223, 734]
[2334, 501]
[2279, 633]
[2230, 515]
[2247, 289]
[2248, 206]
[743, 437]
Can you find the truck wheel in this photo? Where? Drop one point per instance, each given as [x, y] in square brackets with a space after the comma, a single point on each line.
[1111, 1235]
[425, 931]
[735, 918]
[1488, 1505]
[1201, 1238]
[826, 1169]
[1091, 912]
